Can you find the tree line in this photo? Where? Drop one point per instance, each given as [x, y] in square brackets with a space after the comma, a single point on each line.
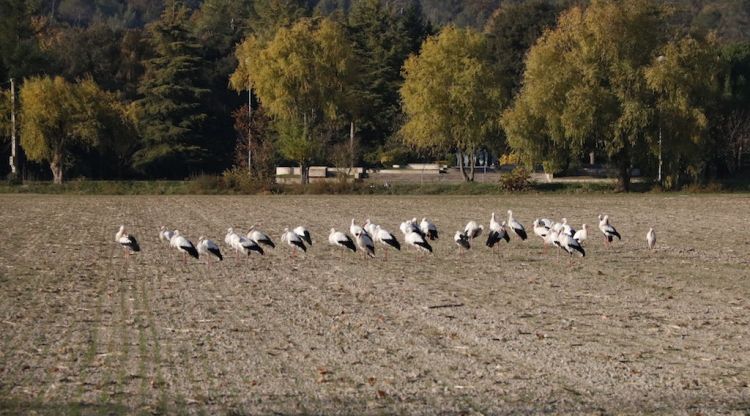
[122, 89]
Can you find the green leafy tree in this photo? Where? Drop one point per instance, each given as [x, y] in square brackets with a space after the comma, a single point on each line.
[451, 96]
[684, 80]
[171, 112]
[57, 116]
[383, 37]
[512, 30]
[302, 77]
[730, 119]
[584, 85]
[20, 54]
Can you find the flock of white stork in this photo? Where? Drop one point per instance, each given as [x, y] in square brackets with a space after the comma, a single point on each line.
[416, 234]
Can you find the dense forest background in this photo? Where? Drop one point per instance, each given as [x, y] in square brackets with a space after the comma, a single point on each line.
[164, 68]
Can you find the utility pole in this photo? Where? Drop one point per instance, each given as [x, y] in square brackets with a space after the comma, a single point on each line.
[13, 156]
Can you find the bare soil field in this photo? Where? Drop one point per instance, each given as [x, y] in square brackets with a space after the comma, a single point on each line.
[621, 331]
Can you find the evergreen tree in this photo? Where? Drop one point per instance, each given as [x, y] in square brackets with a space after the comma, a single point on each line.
[383, 37]
[171, 112]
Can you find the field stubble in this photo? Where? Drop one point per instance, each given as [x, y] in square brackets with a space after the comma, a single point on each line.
[623, 330]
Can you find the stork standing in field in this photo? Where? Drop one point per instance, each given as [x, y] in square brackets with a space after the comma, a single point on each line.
[294, 241]
[416, 240]
[516, 227]
[462, 241]
[260, 237]
[386, 239]
[304, 234]
[184, 246]
[164, 234]
[552, 238]
[541, 230]
[497, 233]
[247, 245]
[409, 226]
[339, 239]
[128, 242]
[473, 230]
[365, 243]
[651, 238]
[581, 235]
[570, 245]
[428, 229]
[370, 227]
[608, 230]
[209, 249]
[356, 229]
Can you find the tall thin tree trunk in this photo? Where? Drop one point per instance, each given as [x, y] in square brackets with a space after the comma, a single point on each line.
[461, 165]
[472, 165]
[304, 173]
[56, 166]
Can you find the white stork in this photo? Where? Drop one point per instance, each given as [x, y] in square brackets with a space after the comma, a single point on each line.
[386, 239]
[516, 226]
[128, 242]
[415, 240]
[651, 238]
[409, 226]
[183, 245]
[497, 233]
[164, 234]
[339, 239]
[581, 235]
[209, 248]
[293, 240]
[472, 230]
[462, 241]
[304, 234]
[260, 237]
[569, 244]
[355, 229]
[370, 227]
[608, 230]
[428, 229]
[365, 243]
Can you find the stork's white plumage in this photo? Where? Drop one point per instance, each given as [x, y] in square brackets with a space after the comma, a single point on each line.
[247, 245]
[410, 226]
[183, 245]
[651, 238]
[607, 229]
[386, 239]
[355, 229]
[415, 240]
[497, 232]
[473, 230]
[546, 222]
[428, 229]
[370, 227]
[304, 234]
[260, 237]
[293, 240]
[569, 244]
[567, 229]
[462, 241]
[164, 234]
[552, 238]
[540, 229]
[582, 234]
[126, 241]
[365, 243]
[516, 227]
[209, 249]
[339, 239]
